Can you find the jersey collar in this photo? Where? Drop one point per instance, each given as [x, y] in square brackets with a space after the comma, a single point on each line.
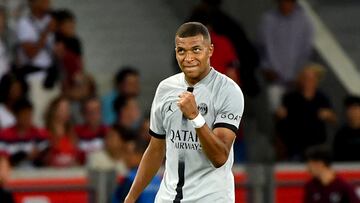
[203, 81]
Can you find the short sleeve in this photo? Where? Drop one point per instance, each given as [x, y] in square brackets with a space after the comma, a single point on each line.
[156, 119]
[25, 31]
[231, 107]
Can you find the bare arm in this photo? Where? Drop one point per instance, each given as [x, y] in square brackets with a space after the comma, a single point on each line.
[216, 144]
[31, 49]
[150, 164]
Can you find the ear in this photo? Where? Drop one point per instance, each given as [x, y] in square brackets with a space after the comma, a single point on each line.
[211, 50]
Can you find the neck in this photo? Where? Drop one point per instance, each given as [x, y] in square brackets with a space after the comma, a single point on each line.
[38, 14]
[327, 177]
[193, 81]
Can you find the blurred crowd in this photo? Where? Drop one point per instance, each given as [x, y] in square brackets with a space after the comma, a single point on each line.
[52, 115]
[50, 112]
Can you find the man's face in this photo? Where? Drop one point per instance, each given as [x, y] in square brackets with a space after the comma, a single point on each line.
[93, 112]
[130, 86]
[193, 56]
[315, 168]
[353, 114]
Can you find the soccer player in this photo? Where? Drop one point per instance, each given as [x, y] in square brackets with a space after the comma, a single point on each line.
[194, 129]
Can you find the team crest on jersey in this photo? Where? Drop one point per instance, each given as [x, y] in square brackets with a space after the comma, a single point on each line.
[203, 109]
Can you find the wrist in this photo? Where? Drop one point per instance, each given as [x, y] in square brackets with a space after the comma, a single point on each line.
[198, 121]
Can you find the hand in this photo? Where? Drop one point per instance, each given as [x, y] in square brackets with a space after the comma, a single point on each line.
[187, 105]
[327, 115]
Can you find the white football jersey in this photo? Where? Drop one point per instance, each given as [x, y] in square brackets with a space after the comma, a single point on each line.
[189, 175]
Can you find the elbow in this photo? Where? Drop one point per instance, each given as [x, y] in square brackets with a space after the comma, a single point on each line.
[219, 162]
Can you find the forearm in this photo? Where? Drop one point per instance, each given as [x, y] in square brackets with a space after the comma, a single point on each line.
[212, 146]
[32, 49]
[150, 164]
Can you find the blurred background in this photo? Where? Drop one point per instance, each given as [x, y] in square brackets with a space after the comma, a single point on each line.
[77, 79]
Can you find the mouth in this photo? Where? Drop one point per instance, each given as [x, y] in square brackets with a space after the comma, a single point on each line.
[190, 66]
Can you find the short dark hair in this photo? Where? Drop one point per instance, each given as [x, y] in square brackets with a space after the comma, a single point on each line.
[124, 72]
[319, 153]
[191, 29]
[124, 133]
[351, 100]
[63, 15]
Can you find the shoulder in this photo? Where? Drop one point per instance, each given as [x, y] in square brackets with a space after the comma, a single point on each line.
[226, 85]
[173, 80]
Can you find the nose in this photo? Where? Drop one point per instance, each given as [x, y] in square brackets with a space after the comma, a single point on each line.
[188, 57]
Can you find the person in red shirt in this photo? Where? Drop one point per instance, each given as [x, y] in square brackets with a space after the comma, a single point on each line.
[326, 186]
[62, 151]
[23, 141]
[91, 133]
[224, 57]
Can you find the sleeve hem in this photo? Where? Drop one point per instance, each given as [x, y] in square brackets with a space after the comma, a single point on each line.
[159, 136]
[226, 125]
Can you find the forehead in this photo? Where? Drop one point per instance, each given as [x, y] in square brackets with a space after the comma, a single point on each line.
[190, 41]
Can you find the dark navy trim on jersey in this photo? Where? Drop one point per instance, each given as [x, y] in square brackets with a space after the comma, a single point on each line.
[180, 184]
[226, 125]
[159, 136]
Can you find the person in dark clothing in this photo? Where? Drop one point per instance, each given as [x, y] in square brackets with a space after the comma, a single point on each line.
[70, 45]
[326, 186]
[5, 195]
[347, 139]
[304, 114]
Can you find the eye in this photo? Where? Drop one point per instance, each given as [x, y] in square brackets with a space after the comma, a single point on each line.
[197, 50]
[180, 51]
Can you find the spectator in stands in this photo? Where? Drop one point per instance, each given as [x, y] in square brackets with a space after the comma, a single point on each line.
[347, 139]
[5, 169]
[304, 113]
[65, 36]
[223, 25]
[127, 84]
[12, 89]
[134, 153]
[23, 142]
[326, 185]
[63, 151]
[82, 87]
[285, 42]
[91, 133]
[112, 156]
[4, 57]
[36, 58]
[128, 113]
